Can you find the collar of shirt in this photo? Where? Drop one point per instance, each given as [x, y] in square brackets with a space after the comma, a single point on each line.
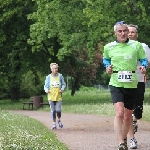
[124, 42]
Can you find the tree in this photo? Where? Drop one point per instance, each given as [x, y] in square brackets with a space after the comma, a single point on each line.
[67, 24]
[13, 42]
[65, 32]
[76, 27]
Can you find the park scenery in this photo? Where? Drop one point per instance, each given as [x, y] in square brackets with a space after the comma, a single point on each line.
[21, 132]
[72, 34]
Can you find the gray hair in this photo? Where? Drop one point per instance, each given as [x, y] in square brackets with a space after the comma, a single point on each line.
[135, 26]
[119, 23]
[53, 64]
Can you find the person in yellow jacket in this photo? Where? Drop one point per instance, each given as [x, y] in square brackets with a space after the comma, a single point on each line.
[54, 86]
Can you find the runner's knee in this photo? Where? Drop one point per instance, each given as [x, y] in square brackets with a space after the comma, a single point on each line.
[138, 112]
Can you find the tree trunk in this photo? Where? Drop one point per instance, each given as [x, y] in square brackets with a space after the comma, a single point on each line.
[15, 94]
[15, 76]
[76, 83]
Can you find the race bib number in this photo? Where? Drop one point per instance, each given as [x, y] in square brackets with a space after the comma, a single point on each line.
[124, 76]
[55, 84]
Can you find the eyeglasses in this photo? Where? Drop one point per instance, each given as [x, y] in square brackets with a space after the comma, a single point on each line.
[120, 23]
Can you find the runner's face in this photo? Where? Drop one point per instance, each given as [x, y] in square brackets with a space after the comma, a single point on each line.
[54, 69]
[121, 33]
[132, 33]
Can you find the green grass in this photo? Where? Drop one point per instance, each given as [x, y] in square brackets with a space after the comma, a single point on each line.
[88, 102]
[98, 102]
[18, 132]
[85, 101]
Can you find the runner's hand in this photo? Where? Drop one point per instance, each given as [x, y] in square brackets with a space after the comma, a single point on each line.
[109, 69]
[143, 69]
[48, 91]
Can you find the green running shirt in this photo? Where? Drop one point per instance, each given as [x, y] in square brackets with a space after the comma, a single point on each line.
[124, 57]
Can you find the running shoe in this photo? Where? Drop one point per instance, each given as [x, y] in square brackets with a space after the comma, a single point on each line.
[122, 146]
[60, 124]
[133, 143]
[125, 141]
[54, 126]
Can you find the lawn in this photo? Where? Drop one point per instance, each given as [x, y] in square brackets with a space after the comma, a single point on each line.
[85, 101]
[19, 132]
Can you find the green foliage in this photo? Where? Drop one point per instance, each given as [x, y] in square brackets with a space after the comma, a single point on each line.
[78, 27]
[67, 40]
[71, 33]
[101, 76]
[14, 27]
[19, 132]
[32, 84]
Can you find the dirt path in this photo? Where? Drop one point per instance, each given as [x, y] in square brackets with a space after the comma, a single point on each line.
[89, 132]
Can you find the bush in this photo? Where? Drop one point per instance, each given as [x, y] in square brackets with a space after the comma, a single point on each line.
[32, 84]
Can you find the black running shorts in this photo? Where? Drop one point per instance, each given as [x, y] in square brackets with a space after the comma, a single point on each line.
[125, 95]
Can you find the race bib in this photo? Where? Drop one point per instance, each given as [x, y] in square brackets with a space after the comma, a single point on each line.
[124, 76]
[55, 84]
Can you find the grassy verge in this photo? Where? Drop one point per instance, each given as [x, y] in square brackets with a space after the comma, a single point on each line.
[97, 102]
[85, 101]
[18, 132]
[88, 102]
